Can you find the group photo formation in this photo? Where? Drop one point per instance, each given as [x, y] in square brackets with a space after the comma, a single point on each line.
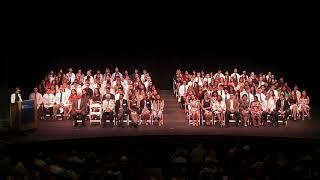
[176, 110]
[253, 99]
[108, 98]
[121, 98]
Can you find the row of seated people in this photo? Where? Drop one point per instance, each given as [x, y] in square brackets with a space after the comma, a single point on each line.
[242, 110]
[80, 80]
[135, 98]
[261, 97]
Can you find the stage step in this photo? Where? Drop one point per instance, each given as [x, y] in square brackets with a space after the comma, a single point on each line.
[173, 114]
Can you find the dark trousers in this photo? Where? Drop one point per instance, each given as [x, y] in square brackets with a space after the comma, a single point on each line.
[236, 116]
[109, 116]
[48, 111]
[286, 114]
[120, 116]
[78, 116]
[182, 101]
[273, 115]
[40, 112]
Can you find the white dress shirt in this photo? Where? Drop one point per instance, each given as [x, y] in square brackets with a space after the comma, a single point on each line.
[261, 97]
[142, 77]
[146, 84]
[225, 97]
[235, 75]
[268, 104]
[48, 100]
[231, 105]
[68, 92]
[182, 89]
[71, 77]
[250, 97]
[108, 104]
[63, 100]
[219, 106]
[113, 76]
[220, 75]
[242, 93]
[78, 89]
[33, 96]
[208, 80]
[221, 93]
[261, 83]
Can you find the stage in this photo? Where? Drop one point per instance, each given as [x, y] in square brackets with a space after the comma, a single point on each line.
[175, 124]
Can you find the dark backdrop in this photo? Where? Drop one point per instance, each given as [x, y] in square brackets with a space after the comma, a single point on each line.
[302, 72]
[286, 53]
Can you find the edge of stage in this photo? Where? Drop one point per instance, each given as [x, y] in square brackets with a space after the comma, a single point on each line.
[63, 130]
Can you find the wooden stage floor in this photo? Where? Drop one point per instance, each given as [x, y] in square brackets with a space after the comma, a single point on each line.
[175, 125]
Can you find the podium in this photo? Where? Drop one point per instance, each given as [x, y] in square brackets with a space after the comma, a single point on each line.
[23, 116]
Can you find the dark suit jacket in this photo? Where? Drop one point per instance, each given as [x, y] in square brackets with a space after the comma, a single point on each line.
[286, 105]
[124, 106]
[142, 104]
[83, 105]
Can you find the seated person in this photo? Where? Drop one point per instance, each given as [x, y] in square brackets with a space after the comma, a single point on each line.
[255, 110]
[293, 103]
[145, 106]
[88, 90]
[206, 107]
[268, 108]
[283, 108]
[194, 110]
[219, 109]
[48, 101]
[232, 107]
[134, 106]
[157, 109]
[121, 109]
[107, 91]
[304, 105]
[108, 107]
[182, 93]
[61, 103]
[96, 98]
[79, 109]
[73, 95]
[244, 109]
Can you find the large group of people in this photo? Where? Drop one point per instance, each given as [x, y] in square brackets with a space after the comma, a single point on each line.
[247, 99]
[117, 96]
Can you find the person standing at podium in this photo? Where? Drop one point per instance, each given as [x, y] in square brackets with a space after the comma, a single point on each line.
[16, 96]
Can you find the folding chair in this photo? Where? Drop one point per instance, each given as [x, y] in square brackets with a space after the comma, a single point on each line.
[269, 118]
[203, 120]
[216, 119]
[149, 120]
[95, 115]
[281, 119]
[161, 121]
[189, 117]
